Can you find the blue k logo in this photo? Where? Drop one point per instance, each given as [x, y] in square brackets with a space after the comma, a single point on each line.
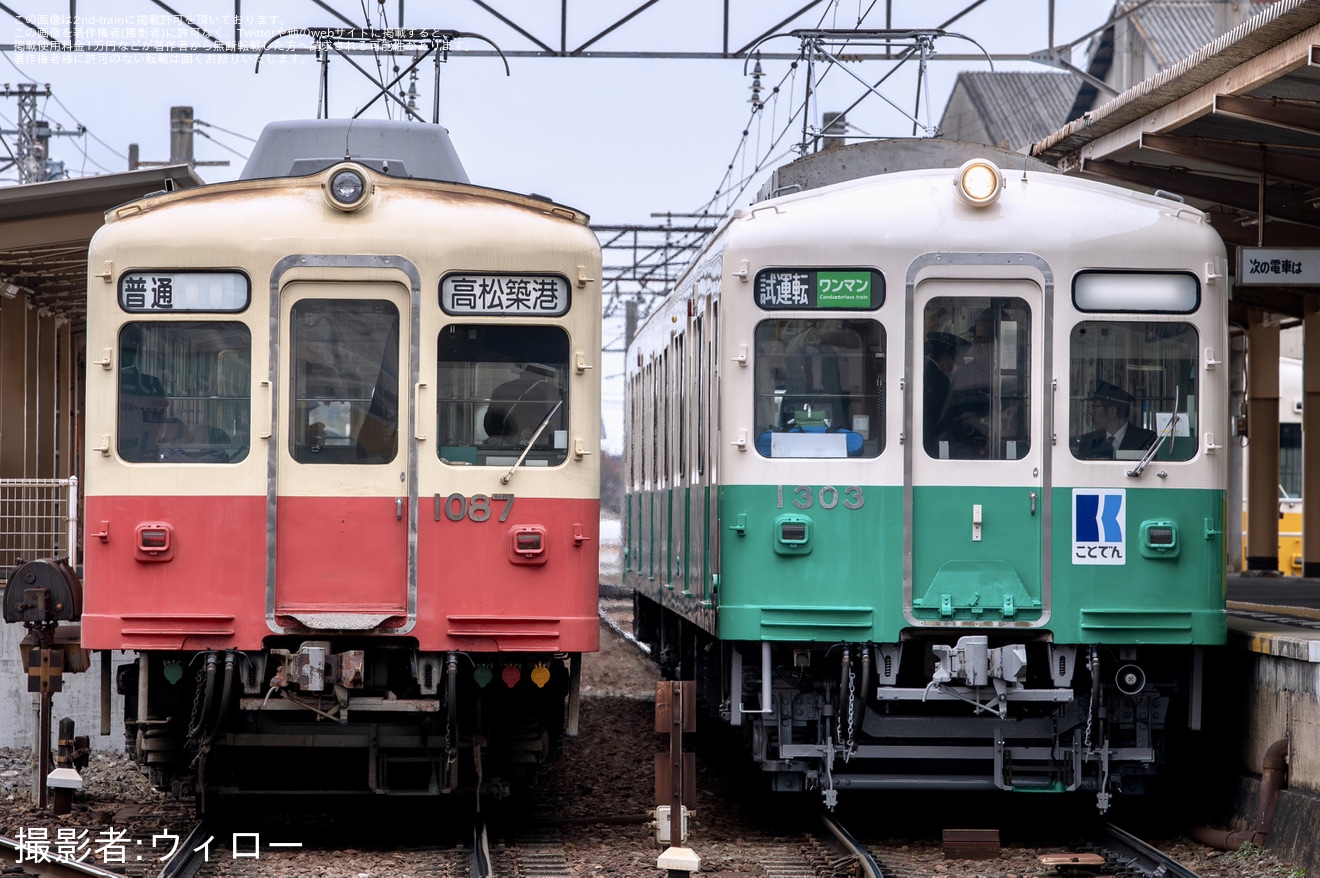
[1099, 523]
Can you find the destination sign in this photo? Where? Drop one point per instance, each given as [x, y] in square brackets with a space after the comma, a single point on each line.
[184, 291]
[852, 289]
[508, 295]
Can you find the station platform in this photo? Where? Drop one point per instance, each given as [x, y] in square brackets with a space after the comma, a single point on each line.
[1274, 688]
[1279, 591]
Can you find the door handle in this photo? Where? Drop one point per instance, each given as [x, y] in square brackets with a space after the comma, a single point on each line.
[1033, 502]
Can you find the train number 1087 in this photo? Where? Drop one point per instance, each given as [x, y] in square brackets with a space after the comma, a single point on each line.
[456, 507]
[828, 496]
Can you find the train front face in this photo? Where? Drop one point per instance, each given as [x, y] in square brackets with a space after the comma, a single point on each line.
[936, 566]
[341, 458]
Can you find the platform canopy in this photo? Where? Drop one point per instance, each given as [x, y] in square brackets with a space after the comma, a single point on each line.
[45, 229]
[1234, 129]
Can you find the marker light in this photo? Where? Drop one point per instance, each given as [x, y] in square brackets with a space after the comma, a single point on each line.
[979, 182]
[346, 187]
[527, 544]
[792, 535]
[1159, 538]
[153, 541]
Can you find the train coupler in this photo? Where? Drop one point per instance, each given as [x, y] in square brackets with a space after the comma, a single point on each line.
[313, 668]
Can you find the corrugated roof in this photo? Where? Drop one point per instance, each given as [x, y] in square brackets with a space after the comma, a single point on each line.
[45, 228]
[1174, 29]
[1019, 108]
[1269, 28]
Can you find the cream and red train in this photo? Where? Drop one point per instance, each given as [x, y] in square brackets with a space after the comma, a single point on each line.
[342, 488]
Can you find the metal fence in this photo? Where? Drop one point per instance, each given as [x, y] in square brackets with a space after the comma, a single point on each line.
[38, 519]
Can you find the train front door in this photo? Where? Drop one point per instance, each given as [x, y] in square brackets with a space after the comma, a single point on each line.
[977, 464]
[342, 482]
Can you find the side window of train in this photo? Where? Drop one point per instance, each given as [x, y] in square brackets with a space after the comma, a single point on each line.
[344, 396]
[1133, 387]
[184, 392]
[976, 378]
[501, 389]
[818, 388]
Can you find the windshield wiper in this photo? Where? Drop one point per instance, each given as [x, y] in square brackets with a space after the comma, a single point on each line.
[1136, 471]
[504, 479]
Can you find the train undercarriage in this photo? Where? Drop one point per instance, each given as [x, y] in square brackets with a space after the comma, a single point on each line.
[956, 712]
[322, 717]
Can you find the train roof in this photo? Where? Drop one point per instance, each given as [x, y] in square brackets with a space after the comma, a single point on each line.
[886, 156]
[400, 149]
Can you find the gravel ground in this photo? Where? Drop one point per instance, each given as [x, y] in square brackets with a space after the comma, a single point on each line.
[603, 789]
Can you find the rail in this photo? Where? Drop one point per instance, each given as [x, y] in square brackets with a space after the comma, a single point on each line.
[45, 861]
[1131, 855]
[865, 865]
[38, 519]
[190, 854]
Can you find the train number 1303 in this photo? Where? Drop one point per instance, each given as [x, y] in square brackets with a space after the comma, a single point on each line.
[803, 497]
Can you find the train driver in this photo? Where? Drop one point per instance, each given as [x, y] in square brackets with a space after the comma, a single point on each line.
[1110, 407]
[519, 406]
[942, 350]
[142, 400]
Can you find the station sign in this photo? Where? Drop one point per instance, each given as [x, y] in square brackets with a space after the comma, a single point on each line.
[1278, 266]
[852, 289]
[506, 295]
[184, 291]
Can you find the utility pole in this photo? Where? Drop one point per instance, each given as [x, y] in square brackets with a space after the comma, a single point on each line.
[31, 156]
[181, 143]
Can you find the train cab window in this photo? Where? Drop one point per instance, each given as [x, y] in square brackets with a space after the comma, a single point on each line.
[344, 395]
[819, 388]
[184, 392]
[1133, 390]
[976, 399]
[501, 390]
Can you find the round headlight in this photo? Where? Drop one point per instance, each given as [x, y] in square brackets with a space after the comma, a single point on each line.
[979, 182]
[346, 187]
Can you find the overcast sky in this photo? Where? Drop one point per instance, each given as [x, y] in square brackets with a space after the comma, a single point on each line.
[620, 139]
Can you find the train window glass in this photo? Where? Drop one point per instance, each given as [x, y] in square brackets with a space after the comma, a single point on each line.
[502, 389]
[976, 383]
[666, 393]
[699, 333]
[717, 414]
[680, 364]
[818, 388]
[1134, 387]
[184, 392]
[1160, 292]
[344, 373]
[1290, 459]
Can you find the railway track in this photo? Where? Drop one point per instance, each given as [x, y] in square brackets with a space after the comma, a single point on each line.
[19, 859]
[1126, 854]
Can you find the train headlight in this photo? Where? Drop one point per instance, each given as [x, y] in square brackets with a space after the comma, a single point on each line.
[346, 187]
[979, 182]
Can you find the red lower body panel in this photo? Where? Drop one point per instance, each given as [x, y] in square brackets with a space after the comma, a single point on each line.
[341, 566]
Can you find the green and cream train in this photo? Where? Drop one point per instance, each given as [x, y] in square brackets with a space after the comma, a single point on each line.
[926, 477]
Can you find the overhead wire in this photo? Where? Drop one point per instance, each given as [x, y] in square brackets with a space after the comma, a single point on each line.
[206, 124]
[219, 144]
[81, 127]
